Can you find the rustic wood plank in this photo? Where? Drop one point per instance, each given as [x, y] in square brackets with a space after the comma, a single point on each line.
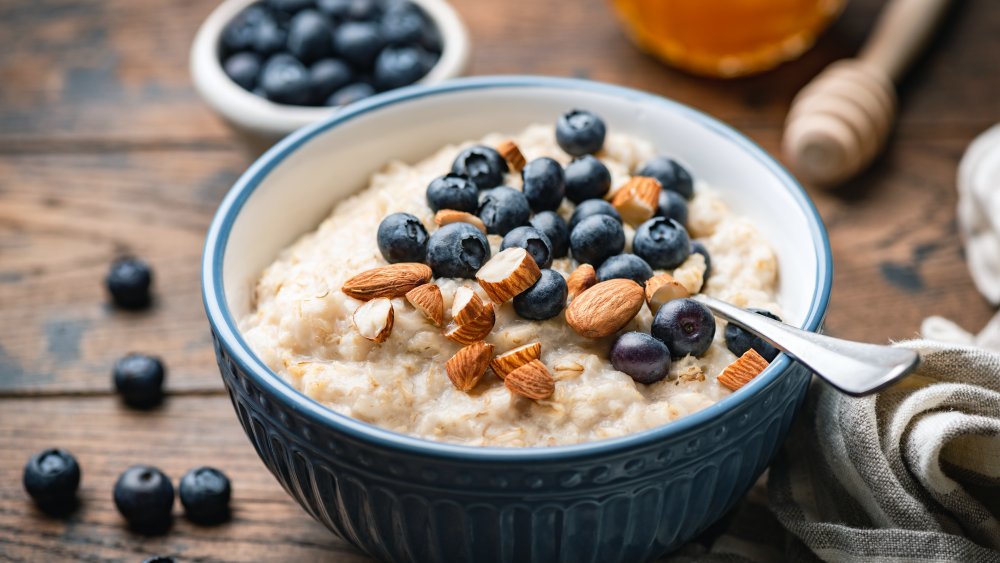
[107, 438]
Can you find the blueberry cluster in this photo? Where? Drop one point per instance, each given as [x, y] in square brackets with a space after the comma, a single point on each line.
[328, 52]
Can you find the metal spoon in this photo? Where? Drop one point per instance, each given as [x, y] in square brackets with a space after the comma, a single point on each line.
[854, 368]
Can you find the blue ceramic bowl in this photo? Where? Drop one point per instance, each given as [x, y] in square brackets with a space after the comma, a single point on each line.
[402, 498]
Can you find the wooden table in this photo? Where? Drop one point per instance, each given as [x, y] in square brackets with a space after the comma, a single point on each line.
[106, 149]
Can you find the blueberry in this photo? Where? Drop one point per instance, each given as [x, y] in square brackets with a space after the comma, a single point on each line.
[289, 6]
[592, 207]
[402, 238]
[587, 178]
[457, 250]
[502, 209]
[139, 380]
[205, 493]
[159, 559]
[453, 191]
[326, 76]
[739, 340]
[544, 184]
[285, 80]
[269, 37]
[363, 10]
[554, 227]
[350, 94]
[672, 176]
[685, 326]
[673, 206]
[533, 240]
[243, 68]
[144, 496]
[238, 35]
[663, 243]
[481, 164]
[129, 281]
[543, 300]
[628, 266]
[358, 43]
[698, 247]
[339, 9]
[309, 36]
[52, 477]
[595, 239]
[641, 357]
[403, 24]
[400, 66]
[580, 132]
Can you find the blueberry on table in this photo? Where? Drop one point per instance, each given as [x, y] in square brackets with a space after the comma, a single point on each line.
[139, 380]
[685, 326]
[453, 191]
[641, 357]
[673, 206]
[326, 76]
[580, 132]
[145, 497]
[543, 300]
[739, 340]
[481, 164]
[239, 33]
[587, 178]
[457, 250]
[662, 243]
[205, 494]
[52, 477]
[554, 227]
[350, 94]
[592, 207]
[400, 66]
[358, 43]
[129, 281]
[532, 240]
[698, 247]
[627, 266]
[672, 176]
[285, 80]
[402, 238]
[243, 68]
[544, 184]
[595, 239]
[502, 209]
[309, 36]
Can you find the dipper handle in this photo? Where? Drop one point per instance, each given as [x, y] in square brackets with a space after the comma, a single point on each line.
[901, 33]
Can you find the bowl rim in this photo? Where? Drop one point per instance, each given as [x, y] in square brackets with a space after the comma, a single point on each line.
[248, 110]
[226, 328]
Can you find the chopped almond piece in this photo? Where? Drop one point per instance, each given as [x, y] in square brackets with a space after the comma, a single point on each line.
[374, 319]
[468, 365]
[637, 200]
[427, 299]
[532, 380]
[513, 359]
[512, 154]
[393, 280]
[507, 274]
[662, 288]
[475, 329]
[583, 278]
[448, 216]
[745, 368]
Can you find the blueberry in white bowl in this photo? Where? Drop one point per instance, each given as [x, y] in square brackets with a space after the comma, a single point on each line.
[627, 266]
[555, 228]
[596, 238]
[533, 240]
[544, 184]
[502, 209]
[481, 164]
[672, 205]
[698, 247]
[402, 238]
[670, 173]
[543, 300]
[453, 191]
[457, 250]
[580, 132]
[592, 207]
[663, 243]
[587, 178]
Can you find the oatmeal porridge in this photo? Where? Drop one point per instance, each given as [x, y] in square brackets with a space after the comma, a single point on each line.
[341, 351]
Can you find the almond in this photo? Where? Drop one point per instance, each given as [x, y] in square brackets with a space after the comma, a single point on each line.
[512, 154]
[638, 199]
[513, 359]
[427, 299]
[605, 308]
[468, 365]
[507, 274]
[374, 319]
[448, 216]
[473, 331]
[662, 288]
[467, 306]
[532, 380]
[745, 368]
[583, 278]
[393, 280]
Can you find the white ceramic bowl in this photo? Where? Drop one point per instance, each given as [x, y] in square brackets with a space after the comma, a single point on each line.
[269, 121]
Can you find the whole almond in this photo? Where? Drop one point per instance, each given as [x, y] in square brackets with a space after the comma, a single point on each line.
[507, 274]
[662, 288]
[448, 216]
[638, 199]
[605, 308]
[474, 330]
[510, 360]
[583, 278]
[374, 319]
[512, 154]
[532, 380]
[744, 369]
[427, 299]
[393, 280]
[468, 365]
[466, 306]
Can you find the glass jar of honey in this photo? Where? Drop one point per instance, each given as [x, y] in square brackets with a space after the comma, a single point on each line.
[726, 38]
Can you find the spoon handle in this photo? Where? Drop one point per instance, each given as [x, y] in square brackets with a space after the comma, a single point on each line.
[854, 368]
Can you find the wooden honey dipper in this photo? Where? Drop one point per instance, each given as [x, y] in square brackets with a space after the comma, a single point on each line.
[839, 122]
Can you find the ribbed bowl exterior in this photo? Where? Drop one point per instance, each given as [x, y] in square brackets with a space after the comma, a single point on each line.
[633, 505]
